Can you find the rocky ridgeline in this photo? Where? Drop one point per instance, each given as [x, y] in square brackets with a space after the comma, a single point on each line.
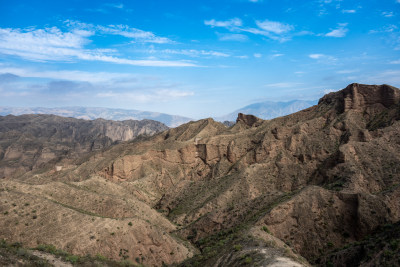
[28, 142]
[293, 190]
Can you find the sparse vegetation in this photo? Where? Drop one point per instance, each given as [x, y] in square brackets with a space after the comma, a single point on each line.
[248, 260]
[237, 247]
[265, 229]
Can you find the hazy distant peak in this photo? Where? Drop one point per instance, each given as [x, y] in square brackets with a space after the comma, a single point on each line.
[92, 113]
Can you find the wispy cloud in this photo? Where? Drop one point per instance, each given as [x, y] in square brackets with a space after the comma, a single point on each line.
[338, 32]
[82, 76]
[322, 58]
[347, 71]
[395, 61]
[272, 29]
[349, 11]
[257, 55]
[277, 55]
[316, 56]
[274, 26]
[115, 5]
[163, 95]
[192, 52]
[73, 85]
[123, 30]
[232, 37]
[388, 28]
[51, 44]
[387, 14]
[229, 24]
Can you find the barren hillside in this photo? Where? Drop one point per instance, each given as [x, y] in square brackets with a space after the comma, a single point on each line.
[292, 190]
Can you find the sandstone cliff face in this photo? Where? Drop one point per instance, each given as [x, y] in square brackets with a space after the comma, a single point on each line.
[316, 180]
[30, 141]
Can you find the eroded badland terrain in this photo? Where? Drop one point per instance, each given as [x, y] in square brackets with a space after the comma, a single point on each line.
[320, 186]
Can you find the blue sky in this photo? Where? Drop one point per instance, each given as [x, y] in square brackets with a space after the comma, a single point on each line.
[192, 58]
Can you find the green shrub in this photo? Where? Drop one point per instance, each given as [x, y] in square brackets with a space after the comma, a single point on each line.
[130, 223]
[47, 248]
[248, 260]
[237, 247]
[265, 229]
[72, 258]
[100, 257]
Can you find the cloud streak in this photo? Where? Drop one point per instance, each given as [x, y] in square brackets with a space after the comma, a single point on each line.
[51, 44]
[338, 32]
[271, 29]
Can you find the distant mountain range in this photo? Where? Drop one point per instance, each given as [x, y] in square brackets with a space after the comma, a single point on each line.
[269, 110]
[264, 110]
[91, 113]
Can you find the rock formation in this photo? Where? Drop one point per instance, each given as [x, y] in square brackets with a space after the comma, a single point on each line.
[30, 141]
[291, 190]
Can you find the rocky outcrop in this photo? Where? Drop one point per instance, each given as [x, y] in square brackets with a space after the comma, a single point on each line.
[360, 97]
[249, 120]
[29, 141]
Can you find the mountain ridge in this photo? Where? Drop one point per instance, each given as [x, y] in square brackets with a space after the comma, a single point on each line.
[291, 190]
[29, 141]
[92, 113]
[269, 109]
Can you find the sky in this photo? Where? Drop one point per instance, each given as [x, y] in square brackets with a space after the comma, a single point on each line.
[192, 58]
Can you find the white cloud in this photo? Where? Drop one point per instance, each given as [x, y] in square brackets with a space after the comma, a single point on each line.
[232, 37]
[274, 26]
[229, 24]
[388, 28]
[391, 77]
[123, 30]
[347, 71]
[316, 56]
[387, 14]
[339, 32]
[80, 76]
[133, 33]
[195, 53]
[163, 95]
[272, 29]
[395, 61]
[277, 55]
[74, 86]
[350, 11]
[322, 58]
[257, 55]
[51, 44]
[119, 6]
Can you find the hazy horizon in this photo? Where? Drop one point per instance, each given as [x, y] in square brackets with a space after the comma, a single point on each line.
[203, 59]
